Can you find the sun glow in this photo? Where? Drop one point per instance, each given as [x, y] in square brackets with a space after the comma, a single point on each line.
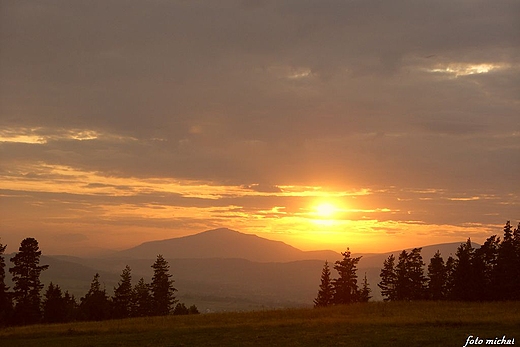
[326, 210]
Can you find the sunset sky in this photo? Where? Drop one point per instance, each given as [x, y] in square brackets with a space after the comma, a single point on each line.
[374, 125]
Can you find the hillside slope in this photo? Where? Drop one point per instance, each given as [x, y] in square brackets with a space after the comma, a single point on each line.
[224, 243]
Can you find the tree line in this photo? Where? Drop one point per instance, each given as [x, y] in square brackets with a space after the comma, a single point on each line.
[25, 305]
[488, 273]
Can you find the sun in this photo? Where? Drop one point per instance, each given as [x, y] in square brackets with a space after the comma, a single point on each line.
[326, 210]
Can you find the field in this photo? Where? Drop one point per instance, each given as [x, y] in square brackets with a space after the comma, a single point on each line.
[372, 324]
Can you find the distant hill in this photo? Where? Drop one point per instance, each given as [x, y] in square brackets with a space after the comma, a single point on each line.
[225, 243]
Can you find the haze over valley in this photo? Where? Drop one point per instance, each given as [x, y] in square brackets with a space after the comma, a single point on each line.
[222, 269]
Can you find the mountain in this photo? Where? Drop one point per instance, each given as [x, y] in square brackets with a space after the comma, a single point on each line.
[224, 243]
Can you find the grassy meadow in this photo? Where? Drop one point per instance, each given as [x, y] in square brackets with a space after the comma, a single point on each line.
[372, 324]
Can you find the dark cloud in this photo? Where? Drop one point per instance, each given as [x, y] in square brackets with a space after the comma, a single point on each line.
[261, 94]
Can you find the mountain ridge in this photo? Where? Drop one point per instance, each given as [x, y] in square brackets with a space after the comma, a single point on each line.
[228, 243]
[224, 243]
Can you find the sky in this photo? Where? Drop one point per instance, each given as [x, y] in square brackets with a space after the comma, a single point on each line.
[368, 124]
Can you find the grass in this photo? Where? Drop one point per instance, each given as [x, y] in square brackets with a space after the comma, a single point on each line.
[373, 324]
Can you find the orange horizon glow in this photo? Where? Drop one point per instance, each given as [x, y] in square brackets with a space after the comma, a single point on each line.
[307, 217]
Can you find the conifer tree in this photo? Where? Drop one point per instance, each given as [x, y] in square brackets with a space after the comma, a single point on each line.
[437, 278]
[415, 269]
[506, 271]
[27, 286]
[410, 282]
[193, 310]
[364, 294]
[450, 275]
[163, 292]
[388, 279]
[141, 299]
[326, 292]
[346, 290]
[71, 306]
[6, 305]
[180, 310]
[516, 244]
[464, 277]
[95, 305]
[484, 265]
[403, 285]
[122, 300]
[54, 305]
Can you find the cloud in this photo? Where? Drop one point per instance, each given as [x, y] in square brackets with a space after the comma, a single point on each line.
[248, 98]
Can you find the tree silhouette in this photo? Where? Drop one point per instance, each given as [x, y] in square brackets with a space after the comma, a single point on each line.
[484, 263]
[95, 305]
[122, 300]
[506, 272]
[163, 292]
[71, 307]
[6, 306]
[54, 305]
[404, 280]
[326, 292]
[415, 269]
[193, 309]
[388, 279]
[437, 278]
[450, 275]
[464, 277]
[27, 286]
[403, 284]
[141, 299]
[180, 309]
[346, 290]
[364, 294]
[516, 246]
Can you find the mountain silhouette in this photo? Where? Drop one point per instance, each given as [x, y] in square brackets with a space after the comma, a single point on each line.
[225, 243]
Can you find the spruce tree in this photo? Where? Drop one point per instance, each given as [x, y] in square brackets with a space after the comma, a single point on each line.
[54, 305]
[410, 282]
[346, 290]
[464, 277]
[485, 262]
[516, 245]
[193, 310]
[141, 299]
[163, 292]
[326, 292]
[403, 286]
[506, 271]
[180, 310]
[364, 294]
[27, 286]
[122, 300]
[71, 306]
[6, 306]
[95, 305]
[415, 269]
[450, 275]
[437, 278]
[388, 279]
